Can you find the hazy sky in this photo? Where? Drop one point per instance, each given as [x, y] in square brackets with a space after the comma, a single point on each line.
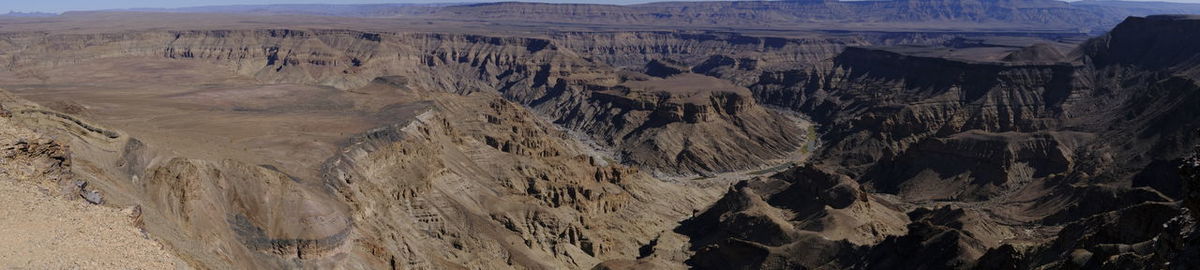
[68, 5]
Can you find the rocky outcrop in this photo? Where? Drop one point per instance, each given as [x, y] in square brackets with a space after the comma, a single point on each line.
[774, 222]
[40, 161]
[942, 238]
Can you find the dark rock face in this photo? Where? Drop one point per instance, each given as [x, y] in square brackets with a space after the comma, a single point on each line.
[1157, 42]
[40, 161]
[804, 217]
[936, 239]
[663, 69]
[1190, 171]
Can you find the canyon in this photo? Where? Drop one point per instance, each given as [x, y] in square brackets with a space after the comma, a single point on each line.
[707, 135]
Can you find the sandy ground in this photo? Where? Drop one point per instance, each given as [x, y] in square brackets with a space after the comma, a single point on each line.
[41, 232]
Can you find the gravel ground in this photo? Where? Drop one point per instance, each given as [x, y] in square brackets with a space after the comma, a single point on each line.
[41, 232]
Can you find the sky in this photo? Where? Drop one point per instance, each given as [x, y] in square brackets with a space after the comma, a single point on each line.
[69, 5]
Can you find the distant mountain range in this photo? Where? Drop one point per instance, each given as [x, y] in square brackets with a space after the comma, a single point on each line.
[355, 10]
[27, 14]
[1083, 16]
